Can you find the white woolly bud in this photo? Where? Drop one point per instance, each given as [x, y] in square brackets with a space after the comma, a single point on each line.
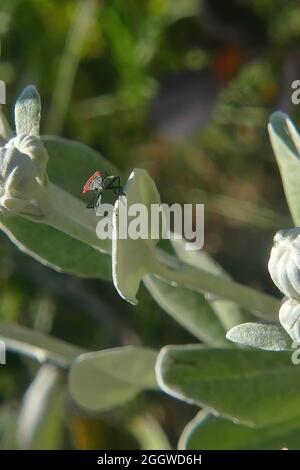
[23, 163]
[289, 317]
[284, 263]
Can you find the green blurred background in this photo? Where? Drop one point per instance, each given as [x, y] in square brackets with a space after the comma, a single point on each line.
[183, 89]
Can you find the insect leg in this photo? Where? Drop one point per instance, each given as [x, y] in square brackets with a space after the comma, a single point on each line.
[98, 202]
[93, 203]
[116, 186]
[110, 184]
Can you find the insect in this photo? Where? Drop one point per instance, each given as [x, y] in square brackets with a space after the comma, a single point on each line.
[100, 183]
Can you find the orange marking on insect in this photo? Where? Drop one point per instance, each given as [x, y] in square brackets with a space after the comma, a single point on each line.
[87, 186]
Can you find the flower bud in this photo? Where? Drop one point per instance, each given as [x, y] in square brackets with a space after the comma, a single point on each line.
[284, 263]
[289, 317]
[28, 112]
[23, 163]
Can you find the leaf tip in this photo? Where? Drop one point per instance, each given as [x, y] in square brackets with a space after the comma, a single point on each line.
[28, 111]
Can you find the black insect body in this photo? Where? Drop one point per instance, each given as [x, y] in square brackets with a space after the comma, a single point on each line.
[99, 184]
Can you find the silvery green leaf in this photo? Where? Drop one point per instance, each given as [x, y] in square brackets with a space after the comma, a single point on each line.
[286, 145]
[209, 432]
[28, 112]
[132, 259]
[270, 337]
[99, 381]
[69, 165]
[56, 249]
[249, 386]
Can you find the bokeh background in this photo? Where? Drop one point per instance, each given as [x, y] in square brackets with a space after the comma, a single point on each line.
[183, 89]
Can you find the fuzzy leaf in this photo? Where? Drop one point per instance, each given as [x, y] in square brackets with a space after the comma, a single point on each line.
[251, 386]
[286, 145]
[258, 335]
[99, 381]
[132, 259]
[208, 432]
[70, 163]
[28, 112]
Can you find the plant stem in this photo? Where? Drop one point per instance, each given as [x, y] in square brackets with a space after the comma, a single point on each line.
[260, 304]
[39, 345]
[69, 215]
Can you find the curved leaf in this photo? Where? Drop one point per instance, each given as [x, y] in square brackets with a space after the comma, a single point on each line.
[208, 432]
[99, 381]
[133, 258]
[56, 249]
[28, 112]
[286, 145]
[70, 163]
[250, 386]
[258, 335]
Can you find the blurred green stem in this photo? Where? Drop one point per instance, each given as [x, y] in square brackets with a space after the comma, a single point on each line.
[245, 212]
[5, 130]
[35, 344]
[84, 17]
[149, 433]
